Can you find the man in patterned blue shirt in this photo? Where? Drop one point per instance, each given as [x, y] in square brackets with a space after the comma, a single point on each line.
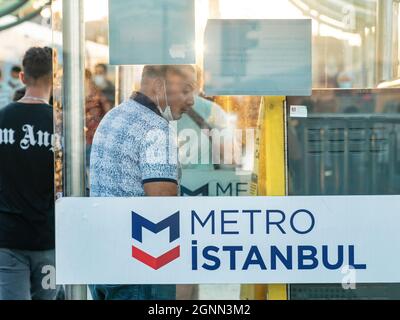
[133, 155]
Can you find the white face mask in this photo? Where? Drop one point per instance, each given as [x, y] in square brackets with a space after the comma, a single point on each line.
[167, 113]
[100, 81]
[345, 85]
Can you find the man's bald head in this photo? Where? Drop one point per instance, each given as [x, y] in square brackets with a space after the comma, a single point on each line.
[152, 72]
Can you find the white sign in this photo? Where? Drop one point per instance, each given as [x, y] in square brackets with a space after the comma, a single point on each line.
[152, 32]
[258, 57]
[298, 112]
[227, 240]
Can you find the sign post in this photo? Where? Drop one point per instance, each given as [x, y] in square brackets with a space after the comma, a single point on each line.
[269, 178]
[74, 110]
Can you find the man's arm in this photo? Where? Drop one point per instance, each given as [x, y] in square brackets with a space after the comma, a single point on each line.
[161, 189]
[160, 176]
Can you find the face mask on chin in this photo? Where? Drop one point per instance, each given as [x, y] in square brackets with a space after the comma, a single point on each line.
[167, 113]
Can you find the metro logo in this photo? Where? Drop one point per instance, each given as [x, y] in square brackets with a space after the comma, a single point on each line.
[171, 222]
[203, 191]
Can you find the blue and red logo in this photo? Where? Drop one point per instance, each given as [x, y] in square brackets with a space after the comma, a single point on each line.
[139, 223]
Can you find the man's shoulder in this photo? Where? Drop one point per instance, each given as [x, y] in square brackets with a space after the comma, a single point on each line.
[9, 107]
[30, 114]
[114, 118]
[145, 118]
[19, 107]
[131, 119]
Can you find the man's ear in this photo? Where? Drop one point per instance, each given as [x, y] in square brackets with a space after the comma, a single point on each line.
[22, 77]
[158, 86]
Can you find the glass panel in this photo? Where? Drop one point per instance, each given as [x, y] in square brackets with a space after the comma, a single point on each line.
[343, 35]
[347, 145]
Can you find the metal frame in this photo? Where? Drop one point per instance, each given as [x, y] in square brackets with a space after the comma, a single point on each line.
[74, 110]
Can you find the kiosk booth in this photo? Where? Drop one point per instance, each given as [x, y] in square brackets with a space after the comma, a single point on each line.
[306, 94]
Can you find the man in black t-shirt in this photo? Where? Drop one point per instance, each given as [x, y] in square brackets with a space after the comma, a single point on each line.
[27, 186]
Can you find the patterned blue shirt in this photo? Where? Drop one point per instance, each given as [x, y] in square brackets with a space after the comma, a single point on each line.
[132, 146]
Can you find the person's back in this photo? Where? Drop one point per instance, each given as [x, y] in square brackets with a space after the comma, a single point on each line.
[133, 155]
[118, 165]
[27, 235]
[205, 115]
[26, 177]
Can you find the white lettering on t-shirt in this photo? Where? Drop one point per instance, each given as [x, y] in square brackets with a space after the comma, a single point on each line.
[31, 138]
[7, 136]
[43, 139]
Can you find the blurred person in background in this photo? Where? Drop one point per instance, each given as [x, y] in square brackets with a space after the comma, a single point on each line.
[208, 115]
[5, 93]
[15, 82]
[102, 82]
[27, 235]
[96, 107]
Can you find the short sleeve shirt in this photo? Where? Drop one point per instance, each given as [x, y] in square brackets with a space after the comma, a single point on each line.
[27, 177]
[133, 145]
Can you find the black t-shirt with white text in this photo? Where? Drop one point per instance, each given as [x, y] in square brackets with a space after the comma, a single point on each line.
[27, 177]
